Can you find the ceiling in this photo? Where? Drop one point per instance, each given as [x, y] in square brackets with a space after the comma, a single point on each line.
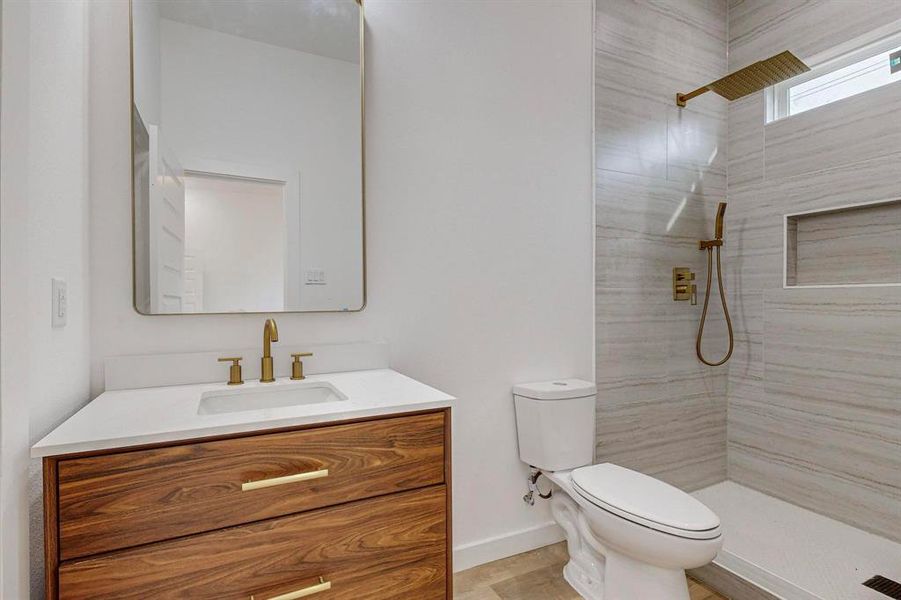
[325, 27]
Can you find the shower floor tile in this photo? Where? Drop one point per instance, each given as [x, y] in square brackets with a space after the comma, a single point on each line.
[795, 553]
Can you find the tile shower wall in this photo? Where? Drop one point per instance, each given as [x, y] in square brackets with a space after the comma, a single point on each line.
[660, 171]
[815, 385]
[862, 245]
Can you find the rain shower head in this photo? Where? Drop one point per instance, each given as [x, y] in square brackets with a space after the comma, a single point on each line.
[752, 78]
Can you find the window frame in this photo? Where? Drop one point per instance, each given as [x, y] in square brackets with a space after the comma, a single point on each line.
[777, 96]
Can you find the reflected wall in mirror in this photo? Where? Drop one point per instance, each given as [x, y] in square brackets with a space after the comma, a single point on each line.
[248, 161]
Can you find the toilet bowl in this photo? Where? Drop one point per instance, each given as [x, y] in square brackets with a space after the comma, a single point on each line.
[629, 536]
[641, 533]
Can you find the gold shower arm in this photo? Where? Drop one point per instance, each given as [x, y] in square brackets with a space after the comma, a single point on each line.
[681, 99]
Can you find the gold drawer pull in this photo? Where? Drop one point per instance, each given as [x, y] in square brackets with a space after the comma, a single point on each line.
[264, 483]
[307, 591]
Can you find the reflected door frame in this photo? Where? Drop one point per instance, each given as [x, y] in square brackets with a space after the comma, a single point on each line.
[291, 181]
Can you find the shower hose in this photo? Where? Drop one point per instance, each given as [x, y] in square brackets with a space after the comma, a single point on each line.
[719, 278]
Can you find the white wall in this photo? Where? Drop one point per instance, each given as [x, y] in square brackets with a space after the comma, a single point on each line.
[479, 225]
[14, 564]
[479, 188]
[236, 231]
[146, 32]
[237, 106]
[44, 372]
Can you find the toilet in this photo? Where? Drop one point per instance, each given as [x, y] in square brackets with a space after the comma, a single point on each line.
[629, 536]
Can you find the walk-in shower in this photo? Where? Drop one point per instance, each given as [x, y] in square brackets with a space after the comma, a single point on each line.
[795, 441]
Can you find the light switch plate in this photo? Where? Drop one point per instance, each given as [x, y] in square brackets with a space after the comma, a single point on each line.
[60, 302]
[315, 277]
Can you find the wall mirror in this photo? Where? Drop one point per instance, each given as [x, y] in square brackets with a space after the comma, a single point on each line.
[247, 129]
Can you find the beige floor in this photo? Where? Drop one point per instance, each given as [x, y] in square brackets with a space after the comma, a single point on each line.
[535, 575]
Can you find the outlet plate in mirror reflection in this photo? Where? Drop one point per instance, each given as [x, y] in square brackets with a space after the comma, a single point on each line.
[247, 129]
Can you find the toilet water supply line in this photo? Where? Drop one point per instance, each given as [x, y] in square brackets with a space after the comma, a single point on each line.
[570, 518]
[532, 483]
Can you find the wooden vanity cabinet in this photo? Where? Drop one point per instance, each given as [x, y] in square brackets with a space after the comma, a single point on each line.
[356, 509]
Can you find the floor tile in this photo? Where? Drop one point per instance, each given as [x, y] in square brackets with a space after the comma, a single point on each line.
[535, 575]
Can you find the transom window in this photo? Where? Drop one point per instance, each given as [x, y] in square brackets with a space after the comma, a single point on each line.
[867, 68]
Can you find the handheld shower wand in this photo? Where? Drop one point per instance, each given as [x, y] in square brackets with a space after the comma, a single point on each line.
[709, 245]
[720, 215]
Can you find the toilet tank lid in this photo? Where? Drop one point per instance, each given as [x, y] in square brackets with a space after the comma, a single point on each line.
[557, 389]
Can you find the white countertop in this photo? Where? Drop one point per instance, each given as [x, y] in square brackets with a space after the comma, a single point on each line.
[122, 418]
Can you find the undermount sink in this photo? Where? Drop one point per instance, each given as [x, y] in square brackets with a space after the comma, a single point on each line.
[260, 398]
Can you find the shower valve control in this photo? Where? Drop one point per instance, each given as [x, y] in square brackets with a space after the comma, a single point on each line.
[683, 288]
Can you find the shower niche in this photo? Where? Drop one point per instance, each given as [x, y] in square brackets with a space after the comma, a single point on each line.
[854, 245]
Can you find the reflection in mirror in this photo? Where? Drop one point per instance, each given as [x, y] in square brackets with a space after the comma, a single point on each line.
[247, 148]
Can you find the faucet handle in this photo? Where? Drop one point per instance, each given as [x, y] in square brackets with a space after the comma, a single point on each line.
[234, 372]
[297, 365]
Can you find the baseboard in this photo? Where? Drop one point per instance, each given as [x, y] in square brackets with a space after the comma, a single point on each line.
[494, 548]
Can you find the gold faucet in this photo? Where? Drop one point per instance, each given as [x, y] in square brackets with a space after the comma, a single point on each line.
[270, 334]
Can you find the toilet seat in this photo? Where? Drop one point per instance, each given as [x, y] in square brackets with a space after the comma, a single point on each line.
[645, 501]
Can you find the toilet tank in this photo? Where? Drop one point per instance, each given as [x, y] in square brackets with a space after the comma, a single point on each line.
[555, 423]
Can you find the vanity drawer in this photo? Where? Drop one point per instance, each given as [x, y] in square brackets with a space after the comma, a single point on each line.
[388, 547]
[126, 499]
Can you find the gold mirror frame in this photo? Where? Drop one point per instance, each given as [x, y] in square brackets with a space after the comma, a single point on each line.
[134, 264]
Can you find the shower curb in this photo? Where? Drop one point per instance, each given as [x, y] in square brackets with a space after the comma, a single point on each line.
[730, 584]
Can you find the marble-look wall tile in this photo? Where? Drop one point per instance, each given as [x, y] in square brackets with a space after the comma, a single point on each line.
[753, 241]
[630, 353]
[756, 26]
[633, 138]
[814, 388]
[827, 434]
[660, 173]
[868, 181]
[696, 149]
[759, 29]
[853, 130]
[680, 439]
[646, 52]
[755, 216]
[745, 139]
[862, 245]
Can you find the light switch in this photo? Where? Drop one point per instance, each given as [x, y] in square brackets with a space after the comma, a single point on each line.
[60, 302]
